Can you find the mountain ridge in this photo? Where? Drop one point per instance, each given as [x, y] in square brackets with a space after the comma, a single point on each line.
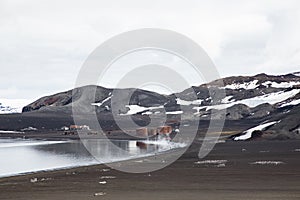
[262, 97]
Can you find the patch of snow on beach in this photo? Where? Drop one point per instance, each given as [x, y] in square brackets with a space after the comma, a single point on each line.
[248, 133]
[267, 163]
[100, 194]
[18, 132]
[211, 162]
[108, 177]
[30, 128]
[214, 163]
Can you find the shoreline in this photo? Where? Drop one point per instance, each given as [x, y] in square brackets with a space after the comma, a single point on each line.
[129, 159]
[186, 178]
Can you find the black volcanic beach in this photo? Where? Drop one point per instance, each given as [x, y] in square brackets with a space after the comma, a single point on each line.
[233, 170]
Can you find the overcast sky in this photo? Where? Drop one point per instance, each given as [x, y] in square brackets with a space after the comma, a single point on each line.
[44, 43]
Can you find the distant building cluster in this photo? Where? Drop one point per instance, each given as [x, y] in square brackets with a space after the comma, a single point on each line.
[75, 127]
[144, 132]
[71, 130]
[149, 132]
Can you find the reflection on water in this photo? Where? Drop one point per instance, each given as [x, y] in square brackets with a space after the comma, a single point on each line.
[23, 156]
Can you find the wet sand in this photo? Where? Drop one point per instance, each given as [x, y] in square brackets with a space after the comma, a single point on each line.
[240, 176]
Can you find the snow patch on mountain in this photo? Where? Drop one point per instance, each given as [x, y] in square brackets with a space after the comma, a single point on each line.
[271, 98]
[297, 73]
[248, 133]
[186, 103]
[134, 109]
[227, 99]
[12, 105]
[292, 103]
[247, 86]
[178, 112]
[102, 102]
[281, 85]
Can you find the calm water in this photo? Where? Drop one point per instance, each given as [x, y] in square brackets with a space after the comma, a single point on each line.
[19, 156]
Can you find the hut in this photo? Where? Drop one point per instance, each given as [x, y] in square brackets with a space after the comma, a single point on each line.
[152, 132]
[142, 132]
[74, 127]
[164, 130]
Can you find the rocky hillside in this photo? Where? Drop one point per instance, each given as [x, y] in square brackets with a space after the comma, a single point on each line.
[273, 100]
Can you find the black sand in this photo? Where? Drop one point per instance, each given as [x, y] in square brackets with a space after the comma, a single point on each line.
[238, 179]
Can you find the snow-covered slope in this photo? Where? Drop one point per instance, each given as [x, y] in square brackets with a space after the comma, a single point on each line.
[248, 133]
[251, 91]
[271, 98]
[12, 105]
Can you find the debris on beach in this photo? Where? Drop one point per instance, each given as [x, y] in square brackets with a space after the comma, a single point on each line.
[105, 170]
[102, 182]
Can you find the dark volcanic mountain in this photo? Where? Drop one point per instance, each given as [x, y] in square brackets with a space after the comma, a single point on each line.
[89, 97]
[272, 101]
